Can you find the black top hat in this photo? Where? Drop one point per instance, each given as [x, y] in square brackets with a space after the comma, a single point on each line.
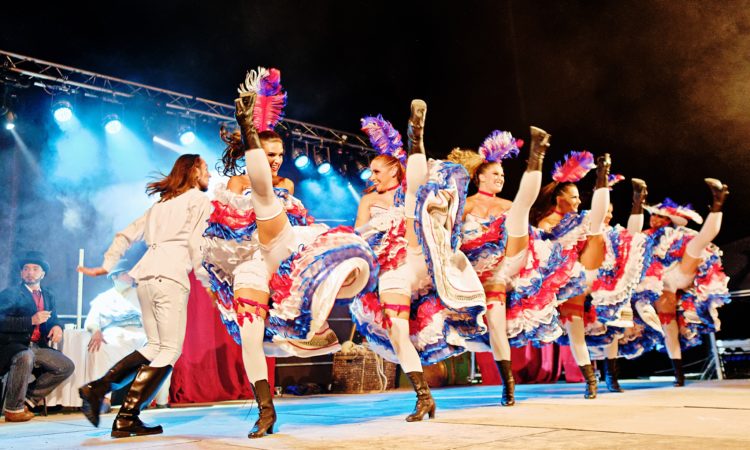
[33, 257]
[121, 266]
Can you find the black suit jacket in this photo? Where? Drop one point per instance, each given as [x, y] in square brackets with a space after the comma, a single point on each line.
[16, 308]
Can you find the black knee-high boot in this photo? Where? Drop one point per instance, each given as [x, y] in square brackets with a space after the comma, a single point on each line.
[147, 382]
[509, 383]
[425, 402]
[609, 370]
[116, 377]
[266, 411]
[679, 375]
[591, 387]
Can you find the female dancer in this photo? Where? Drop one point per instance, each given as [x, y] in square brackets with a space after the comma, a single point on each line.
[250, 239]
[173, 229]
[557, 213]
[495, 242]
[691, 265]
[610, 313]
[430, 281]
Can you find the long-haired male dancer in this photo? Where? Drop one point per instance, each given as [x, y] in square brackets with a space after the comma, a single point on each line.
[173, 229]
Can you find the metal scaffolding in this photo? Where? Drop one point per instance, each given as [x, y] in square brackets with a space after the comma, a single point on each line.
[24, 71]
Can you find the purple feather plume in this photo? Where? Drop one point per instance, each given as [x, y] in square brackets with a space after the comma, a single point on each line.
[499, 145]
[383, 137]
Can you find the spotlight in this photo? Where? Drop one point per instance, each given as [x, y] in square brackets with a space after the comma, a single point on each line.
[187, 136]
[63, 111]
[10, 121]
[324, 167]
[363, 171]
[112, 124]
[301, 160]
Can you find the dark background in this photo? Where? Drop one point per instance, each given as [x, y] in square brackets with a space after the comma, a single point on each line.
[663, 86]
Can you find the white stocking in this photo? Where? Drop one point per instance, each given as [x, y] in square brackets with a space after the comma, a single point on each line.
[672, 339]
[405, 351]
[599, 205]
[518, 215]
[252, 349]
[265, 203]
[635, 223]
[612, 350]
[708, 232]
[416, 176]
[577, 338]
[498, 332]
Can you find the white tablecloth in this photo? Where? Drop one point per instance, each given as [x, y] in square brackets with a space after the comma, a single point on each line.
[75, 346]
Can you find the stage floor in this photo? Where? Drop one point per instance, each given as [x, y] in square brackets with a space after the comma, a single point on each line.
[702, 415]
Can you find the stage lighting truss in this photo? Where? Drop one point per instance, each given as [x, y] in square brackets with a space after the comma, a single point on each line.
[322, 159]
[23, 71]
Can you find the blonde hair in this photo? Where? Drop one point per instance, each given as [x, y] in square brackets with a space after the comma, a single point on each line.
[472, 161]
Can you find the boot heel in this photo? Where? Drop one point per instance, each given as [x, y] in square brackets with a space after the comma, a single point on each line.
[431, 414]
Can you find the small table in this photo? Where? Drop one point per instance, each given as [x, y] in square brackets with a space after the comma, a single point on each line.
[75, 346]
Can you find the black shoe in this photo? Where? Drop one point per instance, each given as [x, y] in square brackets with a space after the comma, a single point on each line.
[679, 375]
[509, 384]
[610, 372]
[266, 411]
[425, 402]
[118, 376]
[145, 387]
[591, 382]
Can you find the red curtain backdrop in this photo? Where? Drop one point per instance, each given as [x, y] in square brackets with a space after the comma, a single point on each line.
[533, 365]
[210, 368]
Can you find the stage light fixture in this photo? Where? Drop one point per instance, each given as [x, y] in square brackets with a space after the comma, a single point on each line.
[301, 160]
[62, 111]
[187, 136]
[10, 121]
[112, 124]
[363, 171]
[324, 167]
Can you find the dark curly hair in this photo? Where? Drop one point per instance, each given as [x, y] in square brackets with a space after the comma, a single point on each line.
[233, 159]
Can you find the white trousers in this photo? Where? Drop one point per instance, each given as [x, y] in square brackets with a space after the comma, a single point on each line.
[164, 309]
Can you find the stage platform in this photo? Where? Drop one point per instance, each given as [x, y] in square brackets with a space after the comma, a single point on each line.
[701, 415]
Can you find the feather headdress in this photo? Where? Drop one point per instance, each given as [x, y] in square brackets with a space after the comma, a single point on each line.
[499, 145]
[678, 214]
[383, 137]
[575, 166]
[270, 101]
[614, 178]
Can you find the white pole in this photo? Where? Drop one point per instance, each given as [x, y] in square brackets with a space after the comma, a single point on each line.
[79, 311]
[717, 360]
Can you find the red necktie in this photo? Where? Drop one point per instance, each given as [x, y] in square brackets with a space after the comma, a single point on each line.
[39, 300]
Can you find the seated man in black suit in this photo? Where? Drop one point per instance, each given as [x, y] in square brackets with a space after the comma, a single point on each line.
[28, 325]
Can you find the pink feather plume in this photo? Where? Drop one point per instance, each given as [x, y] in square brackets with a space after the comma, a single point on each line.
[574, 168]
